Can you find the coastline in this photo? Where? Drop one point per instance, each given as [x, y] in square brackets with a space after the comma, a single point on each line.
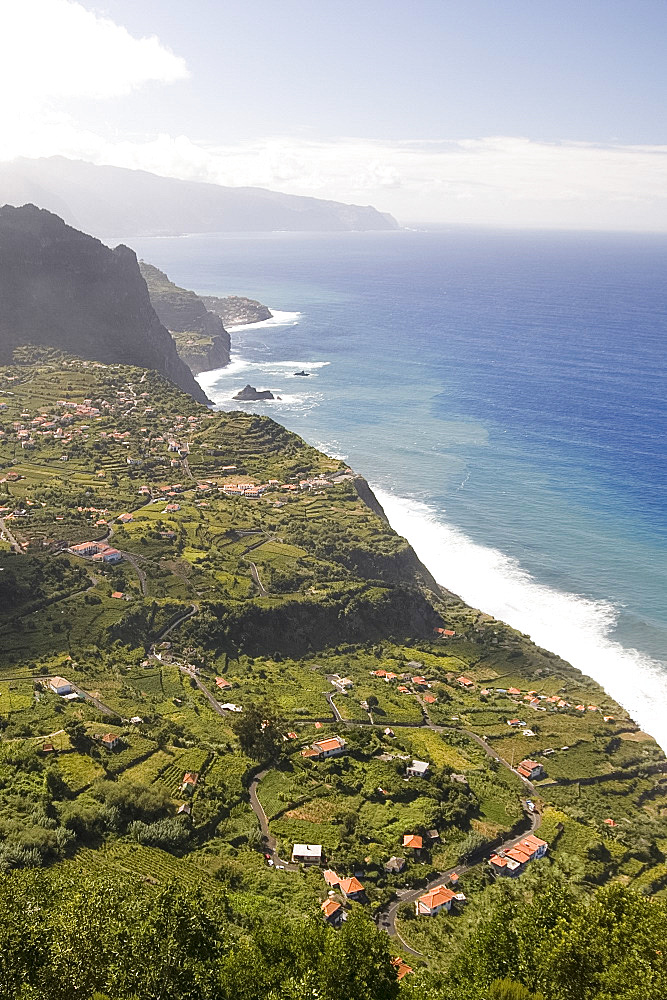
[570, 625]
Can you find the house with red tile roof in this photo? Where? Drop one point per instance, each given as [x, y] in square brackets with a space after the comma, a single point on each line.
[331, 878]
[190, 779]
[514, 691]
[413, 840]
[465, 682]
[333, 912]
[431, 903]
[402, 968]
[513, 861]
[332, 746]
[530, 769]
[351, 888]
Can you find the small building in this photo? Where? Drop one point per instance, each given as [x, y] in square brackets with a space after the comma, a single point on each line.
[125, 518]
[394, 865]
[110, 741]
[333, 912]
[465, 682]
[515, 722]
[413, 840]
[307, 854]
[530, 769]
[417, 769]
[190, 779]
[60, 686]
[402, 968]
[229, 706]
[49, 748]
[222, 683]
[136, 720]
[184, 810]
[431, 903]
[513, 861]
[332, 746]
[351, 888]
[331, 878]
[118, 595]
[429, 699]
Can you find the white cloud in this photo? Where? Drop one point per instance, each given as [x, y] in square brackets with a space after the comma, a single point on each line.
[54, 53]
[56, 49]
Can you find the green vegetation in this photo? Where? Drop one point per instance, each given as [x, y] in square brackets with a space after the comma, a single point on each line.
[303, 612]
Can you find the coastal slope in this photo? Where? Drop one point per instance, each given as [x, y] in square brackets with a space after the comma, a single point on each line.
[114, 201]
[200, 337]
[64, 290]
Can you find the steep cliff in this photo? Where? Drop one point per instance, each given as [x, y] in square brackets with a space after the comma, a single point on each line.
[200, 337]
[63, 289]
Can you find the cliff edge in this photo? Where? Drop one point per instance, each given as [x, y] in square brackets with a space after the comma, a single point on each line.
[62, 289]
[200, 336]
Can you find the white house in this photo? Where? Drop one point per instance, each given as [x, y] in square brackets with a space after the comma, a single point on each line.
[417, 769]
[332, 746]
[59, 685]
[308, 854]
[431, 903]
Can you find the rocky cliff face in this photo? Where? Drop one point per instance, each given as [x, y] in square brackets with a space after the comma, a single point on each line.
[235, 310]
[201, 339]
[63, 289]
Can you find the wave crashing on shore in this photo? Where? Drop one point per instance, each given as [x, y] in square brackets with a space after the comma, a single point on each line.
[575, 627]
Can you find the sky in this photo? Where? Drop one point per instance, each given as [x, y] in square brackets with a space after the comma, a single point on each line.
[546, 113]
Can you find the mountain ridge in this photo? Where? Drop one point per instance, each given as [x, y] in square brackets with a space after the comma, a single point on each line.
[115, 201]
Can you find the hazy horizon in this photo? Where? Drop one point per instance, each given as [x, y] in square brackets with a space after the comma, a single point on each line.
[517, 116]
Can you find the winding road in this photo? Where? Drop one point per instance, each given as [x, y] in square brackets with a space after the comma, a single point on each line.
[386, 916]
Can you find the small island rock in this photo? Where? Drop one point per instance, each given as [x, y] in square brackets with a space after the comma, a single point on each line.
[249, 393]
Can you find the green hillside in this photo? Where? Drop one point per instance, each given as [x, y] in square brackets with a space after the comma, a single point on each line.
[250, 573]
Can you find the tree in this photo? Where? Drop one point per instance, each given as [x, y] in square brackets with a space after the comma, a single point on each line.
[260, 731]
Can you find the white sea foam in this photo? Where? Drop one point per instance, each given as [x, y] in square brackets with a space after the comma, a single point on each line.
[279, 317]
[575, 627]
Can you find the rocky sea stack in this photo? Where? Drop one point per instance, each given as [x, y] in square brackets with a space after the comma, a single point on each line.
[248, 394]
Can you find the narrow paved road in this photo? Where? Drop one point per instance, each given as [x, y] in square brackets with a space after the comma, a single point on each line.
[263, 592]
[4, 530]
[194, 609]
[386, 917]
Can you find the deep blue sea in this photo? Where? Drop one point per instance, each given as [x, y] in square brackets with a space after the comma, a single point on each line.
[503, 392]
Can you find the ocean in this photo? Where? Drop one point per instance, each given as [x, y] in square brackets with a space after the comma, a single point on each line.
[504, 394]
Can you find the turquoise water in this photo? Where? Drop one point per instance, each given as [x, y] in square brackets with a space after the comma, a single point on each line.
[503, 392]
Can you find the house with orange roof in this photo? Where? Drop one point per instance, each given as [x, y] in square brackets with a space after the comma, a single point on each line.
[413, 840]
[420, 682]
[351, 888]
[402, 968]
[402, 689]
[429, 699]
[190, 779]
[465, 682]
[110, 741]
[431, 903]
[222, 683]
[125, 518]
[333, 912]
[513, 861]
[530, 769]
[514, 691]
[609, 822]
[331, 878]
[331, 746]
